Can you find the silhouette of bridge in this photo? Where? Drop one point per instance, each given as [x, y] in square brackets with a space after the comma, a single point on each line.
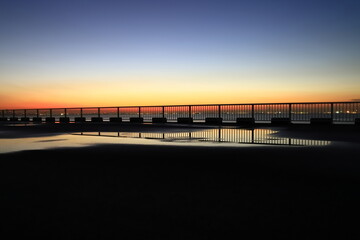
[323, 113]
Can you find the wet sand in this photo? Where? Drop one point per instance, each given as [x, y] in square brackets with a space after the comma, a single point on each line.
[174, 192]
[39, 130]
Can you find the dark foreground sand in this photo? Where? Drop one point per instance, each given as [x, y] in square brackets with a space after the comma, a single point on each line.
[163, 192]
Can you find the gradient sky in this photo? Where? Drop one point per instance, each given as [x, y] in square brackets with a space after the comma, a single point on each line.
[114, 53]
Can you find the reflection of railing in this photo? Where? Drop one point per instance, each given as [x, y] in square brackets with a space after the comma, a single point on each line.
[243, 136]
[333, 112]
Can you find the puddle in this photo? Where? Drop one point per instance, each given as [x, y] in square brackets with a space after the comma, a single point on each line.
[222, 137]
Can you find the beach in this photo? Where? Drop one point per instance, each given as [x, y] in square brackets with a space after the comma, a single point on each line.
[139, 191]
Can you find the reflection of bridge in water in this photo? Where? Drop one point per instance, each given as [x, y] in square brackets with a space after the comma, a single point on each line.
[220, 135]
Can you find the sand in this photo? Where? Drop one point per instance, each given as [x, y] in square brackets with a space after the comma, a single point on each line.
[174, 192]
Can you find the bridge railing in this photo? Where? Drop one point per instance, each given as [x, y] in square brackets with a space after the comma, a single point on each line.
[336, 112]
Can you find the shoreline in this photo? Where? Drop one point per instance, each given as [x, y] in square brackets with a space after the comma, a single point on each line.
[331, 133]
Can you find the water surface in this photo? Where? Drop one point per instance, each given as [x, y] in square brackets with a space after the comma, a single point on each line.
[217, 137]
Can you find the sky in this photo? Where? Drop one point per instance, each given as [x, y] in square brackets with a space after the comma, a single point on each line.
[140, 52]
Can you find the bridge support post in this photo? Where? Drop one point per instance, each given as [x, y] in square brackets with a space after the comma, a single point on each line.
[253, 111]
[290, 110]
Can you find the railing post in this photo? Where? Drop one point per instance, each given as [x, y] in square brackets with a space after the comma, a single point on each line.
[253, 111]
[118, 112]
[81, 112]
[219, 111]
[139, 112]
[163, 111]
[65, 112]
[25, 113]
[98, 112]
[332, 111]
[290, 112]
[190, 111]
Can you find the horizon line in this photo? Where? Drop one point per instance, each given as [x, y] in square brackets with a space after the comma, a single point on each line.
[184, 105]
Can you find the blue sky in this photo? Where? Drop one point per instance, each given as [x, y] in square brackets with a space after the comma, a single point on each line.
[173, 52]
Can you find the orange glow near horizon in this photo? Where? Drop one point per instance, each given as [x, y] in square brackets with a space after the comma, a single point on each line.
[42, 103]
[185, 89]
